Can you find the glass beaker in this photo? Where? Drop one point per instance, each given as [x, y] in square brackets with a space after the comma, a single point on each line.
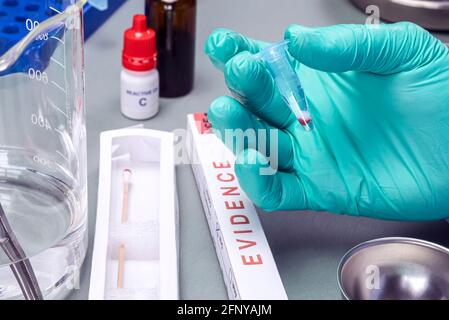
[43, 181]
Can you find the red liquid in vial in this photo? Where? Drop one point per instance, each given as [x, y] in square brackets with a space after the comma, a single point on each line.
[304, 121]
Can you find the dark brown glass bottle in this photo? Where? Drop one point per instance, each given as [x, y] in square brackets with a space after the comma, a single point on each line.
[175, 24]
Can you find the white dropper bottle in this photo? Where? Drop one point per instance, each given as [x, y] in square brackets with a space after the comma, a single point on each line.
[139, 77]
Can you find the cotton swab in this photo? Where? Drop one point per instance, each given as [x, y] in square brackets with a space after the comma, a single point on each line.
[127, 173]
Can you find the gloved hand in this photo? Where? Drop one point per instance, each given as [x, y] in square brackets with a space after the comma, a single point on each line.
[379, 99]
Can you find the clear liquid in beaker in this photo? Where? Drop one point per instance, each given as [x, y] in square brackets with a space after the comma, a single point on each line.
[41, 210]
[43, 180]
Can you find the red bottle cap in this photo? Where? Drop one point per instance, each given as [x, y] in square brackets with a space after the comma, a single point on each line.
[139, 51]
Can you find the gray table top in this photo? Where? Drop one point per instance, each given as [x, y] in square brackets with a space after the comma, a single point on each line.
[307, 246]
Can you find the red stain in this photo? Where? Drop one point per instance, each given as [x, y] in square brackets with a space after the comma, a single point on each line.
[202, 123]
[304, 122]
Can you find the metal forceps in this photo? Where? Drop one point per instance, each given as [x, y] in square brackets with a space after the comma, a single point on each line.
[21, 266]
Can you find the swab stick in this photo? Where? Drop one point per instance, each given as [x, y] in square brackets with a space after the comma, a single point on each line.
[121, 266]
[125, 204]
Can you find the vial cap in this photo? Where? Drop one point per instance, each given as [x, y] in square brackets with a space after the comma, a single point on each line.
[139, 50]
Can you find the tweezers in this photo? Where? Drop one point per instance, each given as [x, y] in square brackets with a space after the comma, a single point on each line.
[20, 264]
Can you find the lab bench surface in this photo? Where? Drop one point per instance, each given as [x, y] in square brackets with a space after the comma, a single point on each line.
[307, 246]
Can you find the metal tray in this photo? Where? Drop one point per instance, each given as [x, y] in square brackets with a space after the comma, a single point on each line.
[430, 14]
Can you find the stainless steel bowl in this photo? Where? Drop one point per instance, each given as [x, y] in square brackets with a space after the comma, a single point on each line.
[430, 14]
[395, 269]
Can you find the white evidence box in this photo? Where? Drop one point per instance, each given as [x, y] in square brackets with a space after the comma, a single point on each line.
[248, 266]
[136, 246]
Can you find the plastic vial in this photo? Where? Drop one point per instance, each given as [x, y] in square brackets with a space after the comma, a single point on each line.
[139, 78]
[287, 80]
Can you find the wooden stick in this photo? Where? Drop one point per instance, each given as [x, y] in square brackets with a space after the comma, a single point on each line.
[125, 203]
[121, 266]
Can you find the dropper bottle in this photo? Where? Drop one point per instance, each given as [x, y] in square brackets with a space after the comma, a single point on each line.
[139, 77]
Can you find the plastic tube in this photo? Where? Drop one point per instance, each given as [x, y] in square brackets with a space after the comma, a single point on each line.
[287, 80]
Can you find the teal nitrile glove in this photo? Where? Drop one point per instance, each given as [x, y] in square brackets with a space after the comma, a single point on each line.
[379, 99]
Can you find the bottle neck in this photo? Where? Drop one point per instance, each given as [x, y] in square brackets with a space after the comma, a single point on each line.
[140, 73]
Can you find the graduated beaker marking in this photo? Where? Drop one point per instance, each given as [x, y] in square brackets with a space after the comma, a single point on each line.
[43, 180]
